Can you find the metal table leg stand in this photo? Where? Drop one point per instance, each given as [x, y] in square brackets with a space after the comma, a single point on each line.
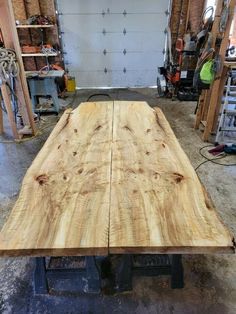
[93, 277]
[40, 277]
[177, 274]
[148, 265]
[123, 274]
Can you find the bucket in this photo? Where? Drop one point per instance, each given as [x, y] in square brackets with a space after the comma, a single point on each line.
[71, 85]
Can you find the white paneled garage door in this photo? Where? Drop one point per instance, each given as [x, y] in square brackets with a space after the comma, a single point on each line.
[113, 43]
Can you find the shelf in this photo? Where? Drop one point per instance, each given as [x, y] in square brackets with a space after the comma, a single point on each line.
[39, 54]
[43, 74]
[34, 26]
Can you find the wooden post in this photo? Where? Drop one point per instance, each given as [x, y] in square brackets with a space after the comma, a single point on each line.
[1, 120]
[216, 84]
[10, 37]
[220, 95]
[206, 104]
[206, 94]
[216, 23]
[187, 17]
[200, 109]
[7, 103]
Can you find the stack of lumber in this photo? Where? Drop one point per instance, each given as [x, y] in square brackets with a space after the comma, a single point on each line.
[112, 178]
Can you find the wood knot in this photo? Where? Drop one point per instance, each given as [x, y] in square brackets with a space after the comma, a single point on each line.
[163, 145]
[130, 170]
[178, 177]
[127, 128]
[75, 130]
[148, 153]
[98, 128]
[42, 179]
[148, 130]
[74, 153]
[141, 170]
[59, 146]
[84, 192]
[80, 171]
[135, 191]
[64, 177]
[156, 175]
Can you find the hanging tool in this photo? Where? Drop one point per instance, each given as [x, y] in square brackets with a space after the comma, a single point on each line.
[8, 65]
[8, 72]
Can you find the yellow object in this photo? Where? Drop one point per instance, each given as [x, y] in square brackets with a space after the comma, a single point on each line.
[71, 85]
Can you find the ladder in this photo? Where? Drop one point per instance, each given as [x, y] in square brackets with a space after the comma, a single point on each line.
[227, 121]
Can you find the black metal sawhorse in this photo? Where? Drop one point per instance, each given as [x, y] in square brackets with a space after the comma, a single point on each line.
[91, 273]
[149, 265]
[127, 266]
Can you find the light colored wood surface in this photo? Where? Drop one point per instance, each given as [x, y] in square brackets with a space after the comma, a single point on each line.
[112, 177]
[230, 64]
[63, 206]
[157, 202]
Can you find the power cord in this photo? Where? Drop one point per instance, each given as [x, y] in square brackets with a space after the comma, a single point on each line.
[213, 160]
[99, 94]
[8, 64]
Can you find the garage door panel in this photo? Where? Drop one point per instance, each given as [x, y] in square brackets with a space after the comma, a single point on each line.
[114, 78]
[114, 23]
[115, 61]
[113, 43]
[112, 6]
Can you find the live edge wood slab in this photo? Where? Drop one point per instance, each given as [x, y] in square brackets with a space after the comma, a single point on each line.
[112, 178]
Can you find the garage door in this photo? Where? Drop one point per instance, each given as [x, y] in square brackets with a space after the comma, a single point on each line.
[110, 43]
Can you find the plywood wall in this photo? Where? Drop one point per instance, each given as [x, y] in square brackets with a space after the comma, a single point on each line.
[24, 34]
[32, 7]
[47, 7]
[195, 14]
[19, 9]
[178, 20]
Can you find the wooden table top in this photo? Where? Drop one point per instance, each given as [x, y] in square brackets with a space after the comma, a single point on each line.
[112, 178]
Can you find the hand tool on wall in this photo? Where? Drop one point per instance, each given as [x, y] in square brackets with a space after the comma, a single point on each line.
[9, 70]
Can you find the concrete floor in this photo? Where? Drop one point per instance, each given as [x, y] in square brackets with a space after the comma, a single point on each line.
[210, 280]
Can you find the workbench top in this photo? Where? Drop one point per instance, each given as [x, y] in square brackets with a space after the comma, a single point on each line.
[112, 178]
[44, 74]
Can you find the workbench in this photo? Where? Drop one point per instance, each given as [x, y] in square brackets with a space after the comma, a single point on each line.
[112, 179]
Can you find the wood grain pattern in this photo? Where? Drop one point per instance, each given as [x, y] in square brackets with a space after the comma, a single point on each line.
[112, 177]
[157, 201]
[63, 206]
